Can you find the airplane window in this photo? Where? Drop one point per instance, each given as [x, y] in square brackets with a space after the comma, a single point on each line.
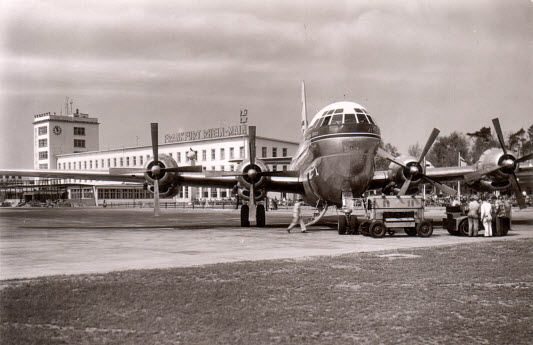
[326, 121]
[361, 118]
[330, 112]
[336, 119]
[370, 119]
[349, 118]
[359, 111]
[338, 111]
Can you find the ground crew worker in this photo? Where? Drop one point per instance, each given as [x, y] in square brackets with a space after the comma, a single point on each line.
[473, 217]
[507, 206]
[297, 216]
[486, 216]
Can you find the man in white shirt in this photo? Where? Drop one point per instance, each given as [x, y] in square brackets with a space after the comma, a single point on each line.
[486, 216]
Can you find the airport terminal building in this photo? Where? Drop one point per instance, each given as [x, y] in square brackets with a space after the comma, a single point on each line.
[70, 142]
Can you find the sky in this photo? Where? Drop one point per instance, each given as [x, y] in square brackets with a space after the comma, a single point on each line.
[188, 65]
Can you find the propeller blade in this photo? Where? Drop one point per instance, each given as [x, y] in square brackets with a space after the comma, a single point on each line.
[288, 173]
[218, 173]
[429, 143]
[499, 133]
[251, 143]
[156, 198]
[525, 158]
[188, 168]
[390, 157]
[155, 141]
[444, 188]
[477, 174]
[405, 187]
[518, 192]
[125, 171]
[251, 204]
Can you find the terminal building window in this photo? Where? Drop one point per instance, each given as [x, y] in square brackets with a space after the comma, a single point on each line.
[43, 130]
[43, 155]
[96, 163]
[222, 154]
[109, 162]
[123, 193]
[274, 168]
[103, 163]
[69, 166]
[284, 168]
[241, 152]
[121, 161]
[43, 142]
[141, 160]
[127, 161]
[134, 161]
[213, 157]
[231, 153]
[263, 152]
[79, 131]
[85, 165]
[43, 166]
[79, 143]
[274, 152]
[204, 155]
[178, 157]
[284, 152]
[114, 162]
[90, 164]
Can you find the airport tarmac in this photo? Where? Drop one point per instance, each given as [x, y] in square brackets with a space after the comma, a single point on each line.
[54, 241]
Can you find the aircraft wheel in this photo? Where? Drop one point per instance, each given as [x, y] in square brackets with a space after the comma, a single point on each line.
[378, 229]
[341, 225]
[462, 229]
[410, 231]
[354, 225]
[260, 216]
[424, 228]
[364, 228]
[245, 212]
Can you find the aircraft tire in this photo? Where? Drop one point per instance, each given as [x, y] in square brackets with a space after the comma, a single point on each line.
[410, 231]
[354, 225]
[378, 229]
[341, 225]
[424, 228]
[260, 216]
[245, 212]
[364, 227]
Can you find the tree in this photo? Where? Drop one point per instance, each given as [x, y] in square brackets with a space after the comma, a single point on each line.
[446, 150]
[415, 150]
[382, 163]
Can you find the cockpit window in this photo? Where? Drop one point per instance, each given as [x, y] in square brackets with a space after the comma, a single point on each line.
[359, 111]
[370, 119]
[325, 122]
[338, 111]
[349, 118]
[330, 112]
[336, 119]
[361, 118]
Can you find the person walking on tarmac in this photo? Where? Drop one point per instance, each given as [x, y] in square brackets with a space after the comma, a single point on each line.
[473, 217]
[486, 216]
[297, 216]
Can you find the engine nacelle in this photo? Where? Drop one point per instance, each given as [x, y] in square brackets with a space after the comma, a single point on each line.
[246, 181]
[244, 194]
[494, 157]
[168, 181]
[486, 186]
[399, 174]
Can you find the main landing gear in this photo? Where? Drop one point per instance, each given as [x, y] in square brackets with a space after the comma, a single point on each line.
[260, 217]
[347, 224]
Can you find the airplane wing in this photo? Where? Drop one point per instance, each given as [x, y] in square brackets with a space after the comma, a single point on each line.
[269, 160]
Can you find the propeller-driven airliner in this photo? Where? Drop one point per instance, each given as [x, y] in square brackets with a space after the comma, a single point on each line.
[335, 160]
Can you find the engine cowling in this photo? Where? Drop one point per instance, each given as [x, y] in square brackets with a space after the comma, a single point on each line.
[246, 181]
[168, 181]
[244, 194]
[497, 180]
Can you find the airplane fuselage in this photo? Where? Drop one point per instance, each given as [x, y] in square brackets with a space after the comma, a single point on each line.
[338, 157]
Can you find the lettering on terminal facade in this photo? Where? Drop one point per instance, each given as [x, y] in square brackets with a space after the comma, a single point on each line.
[211, 133]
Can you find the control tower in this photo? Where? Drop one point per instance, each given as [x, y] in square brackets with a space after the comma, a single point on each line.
[60, 134]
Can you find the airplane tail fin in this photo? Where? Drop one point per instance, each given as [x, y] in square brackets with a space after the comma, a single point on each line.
[304, 109]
